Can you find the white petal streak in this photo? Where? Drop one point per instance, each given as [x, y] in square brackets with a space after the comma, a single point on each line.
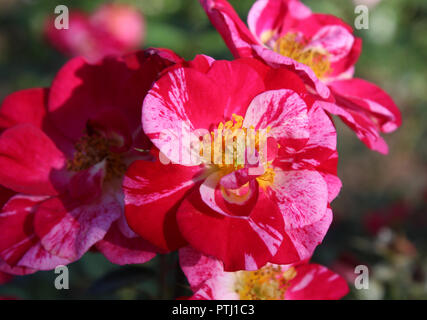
[271, 237]
[308, 278]
[143, 199]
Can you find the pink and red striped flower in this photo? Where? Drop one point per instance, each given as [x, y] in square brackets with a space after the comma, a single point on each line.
[113, 29]
[322, 49]
[64, 151]
[243, 217]
[302, 281]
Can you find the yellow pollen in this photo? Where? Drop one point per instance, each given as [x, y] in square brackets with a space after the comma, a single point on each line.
[235, 123]
[291, 46]
[92, 149]
[267, 283]
[232, 139]
[267, 179]
[228, 139]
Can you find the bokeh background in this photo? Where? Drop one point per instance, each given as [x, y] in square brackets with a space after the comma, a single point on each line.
[381, 213]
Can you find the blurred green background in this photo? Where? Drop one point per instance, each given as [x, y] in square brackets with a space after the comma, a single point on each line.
[390, 189]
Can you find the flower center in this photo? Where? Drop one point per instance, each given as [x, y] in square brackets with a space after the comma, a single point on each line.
[237, 195]
[93, 148]
[296, 47]
[229, 146]
[267, 283]
[228, 142]
[267, 179]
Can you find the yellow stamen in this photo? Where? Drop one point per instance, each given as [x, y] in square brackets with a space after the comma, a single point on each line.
[267, 179]
[267, 283]
[92, 149]
[227, 141]
[291, 46]
[227, 148]
[266, 36]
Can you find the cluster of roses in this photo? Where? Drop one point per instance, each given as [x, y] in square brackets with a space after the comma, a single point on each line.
[80, 171]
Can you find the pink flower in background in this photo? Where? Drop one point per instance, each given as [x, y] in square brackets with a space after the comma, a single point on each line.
[64, 150]
[113, 29]
[244, 219]
[303, 281]
[322, 49]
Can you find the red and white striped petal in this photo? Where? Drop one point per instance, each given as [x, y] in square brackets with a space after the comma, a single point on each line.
[283, 111]
[16, 271]
[198, 267]
[20, 247]
[232, 29]
[240, 242]
[365, 129]
[334, 39]
[209, 281]
[268, 16]
[358, 94]
[68, 229]
[152, 193]
[276, 60]
[121, 249]
[301, 195]
[316, 282]
[301, 242]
